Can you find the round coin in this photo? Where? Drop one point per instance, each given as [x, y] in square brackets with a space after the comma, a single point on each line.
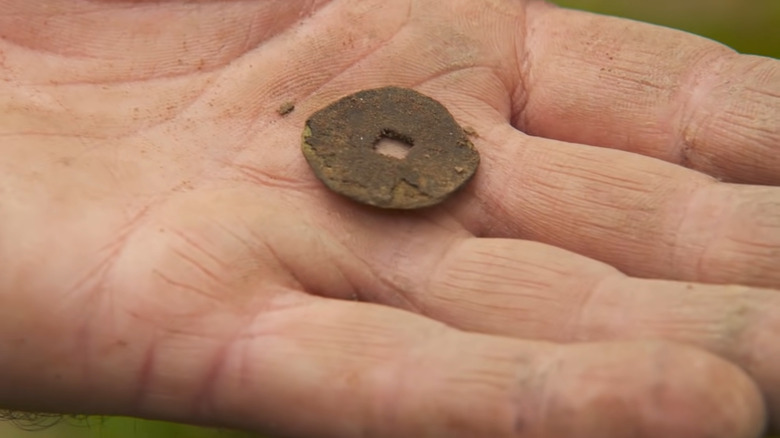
[340, 144]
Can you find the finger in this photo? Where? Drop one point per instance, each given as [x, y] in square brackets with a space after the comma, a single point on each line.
[646, 217]
[305, 366]
[536, 291]
[668, 94]
[393, 374]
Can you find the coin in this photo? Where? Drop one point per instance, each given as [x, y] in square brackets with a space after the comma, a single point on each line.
[340, 144]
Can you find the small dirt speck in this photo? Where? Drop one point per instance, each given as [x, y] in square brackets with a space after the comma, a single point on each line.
[471, 132]
[285, 108]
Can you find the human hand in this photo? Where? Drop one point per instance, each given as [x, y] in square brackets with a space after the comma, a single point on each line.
[167, 253]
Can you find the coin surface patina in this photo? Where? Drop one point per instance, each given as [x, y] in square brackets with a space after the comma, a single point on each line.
[340, 140]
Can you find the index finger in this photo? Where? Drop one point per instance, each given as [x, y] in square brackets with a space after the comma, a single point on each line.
[308, 366]
[668, 94]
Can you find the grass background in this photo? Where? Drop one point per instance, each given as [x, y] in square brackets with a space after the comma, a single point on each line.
[749, 26]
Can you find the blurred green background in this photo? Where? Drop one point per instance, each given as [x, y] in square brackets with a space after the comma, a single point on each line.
[749, 26]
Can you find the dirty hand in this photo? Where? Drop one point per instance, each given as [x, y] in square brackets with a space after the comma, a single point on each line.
[166, 252]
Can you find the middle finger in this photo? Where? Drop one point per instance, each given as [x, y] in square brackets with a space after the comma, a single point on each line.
[647, 217]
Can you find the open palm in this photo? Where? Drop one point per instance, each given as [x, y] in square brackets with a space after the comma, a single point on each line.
[166, 252]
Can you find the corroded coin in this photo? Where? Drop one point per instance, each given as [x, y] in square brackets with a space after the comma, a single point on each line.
[340, 144]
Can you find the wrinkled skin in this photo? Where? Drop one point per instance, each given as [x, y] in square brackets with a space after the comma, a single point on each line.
[165, 251]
